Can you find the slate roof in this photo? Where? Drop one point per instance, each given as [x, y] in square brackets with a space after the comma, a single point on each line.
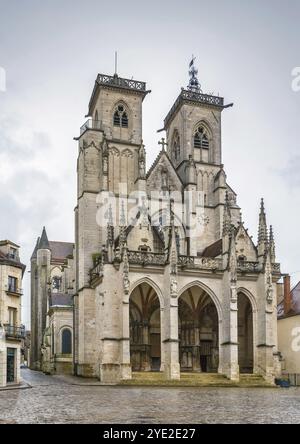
[61, 299]
[6, 260]
[213, 250]
[295, 310]
[60, 250]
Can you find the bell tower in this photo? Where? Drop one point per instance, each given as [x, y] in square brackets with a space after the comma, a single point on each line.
[193, 127]
[110, 153]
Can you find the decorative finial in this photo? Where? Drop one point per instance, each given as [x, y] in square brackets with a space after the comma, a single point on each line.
[194, 84]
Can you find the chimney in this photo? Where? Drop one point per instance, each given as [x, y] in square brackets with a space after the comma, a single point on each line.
[287, 297]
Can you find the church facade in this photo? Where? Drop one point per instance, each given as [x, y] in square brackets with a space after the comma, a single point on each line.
[165, 276]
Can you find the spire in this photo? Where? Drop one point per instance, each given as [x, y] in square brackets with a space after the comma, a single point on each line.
[110, 234]
[173, 247]
[272, 245]
[142, 161]
[232, 262]
[122, 235]
[43, 242]
[262, 230]
[33, 256]
[227, 216]
[191, 176]
[194, 84]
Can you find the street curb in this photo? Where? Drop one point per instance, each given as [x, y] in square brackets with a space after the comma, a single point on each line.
[22, 386]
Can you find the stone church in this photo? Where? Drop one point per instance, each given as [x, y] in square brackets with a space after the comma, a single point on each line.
[175, 286]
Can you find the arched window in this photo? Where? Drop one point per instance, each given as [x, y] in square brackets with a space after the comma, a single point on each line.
[56, 284]
[66, 341]
[176, 145]
[120, 116]
[201, 138]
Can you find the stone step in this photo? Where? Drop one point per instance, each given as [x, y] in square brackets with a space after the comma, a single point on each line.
[195, 380]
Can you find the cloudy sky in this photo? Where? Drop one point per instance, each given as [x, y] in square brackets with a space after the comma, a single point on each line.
[51, 52]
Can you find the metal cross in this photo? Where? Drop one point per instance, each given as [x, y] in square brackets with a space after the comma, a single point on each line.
[163, 143]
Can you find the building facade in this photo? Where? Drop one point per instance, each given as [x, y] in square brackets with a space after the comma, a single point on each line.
[52, 288]
[12, 332]
[289, 330]
[168, 279]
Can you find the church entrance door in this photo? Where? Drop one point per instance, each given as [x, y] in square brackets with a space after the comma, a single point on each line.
[198, 331]
[145, 337]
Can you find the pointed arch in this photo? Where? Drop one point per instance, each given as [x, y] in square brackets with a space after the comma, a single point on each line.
[175, 145]
[210, 292]
[247, 321]
[151, 283]
[202, 135]
[120, 114]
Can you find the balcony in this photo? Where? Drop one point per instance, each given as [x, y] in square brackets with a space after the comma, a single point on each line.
[13, 257]
[91, 124]
[115, 80]
[13, 332]
[13, 290]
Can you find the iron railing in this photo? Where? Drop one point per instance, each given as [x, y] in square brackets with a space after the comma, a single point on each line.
[91, 124]
[13, 289]
[11, 331]
[131, 84]
[194, 97]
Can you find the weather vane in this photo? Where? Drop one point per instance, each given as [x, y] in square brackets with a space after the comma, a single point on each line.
[194, 84]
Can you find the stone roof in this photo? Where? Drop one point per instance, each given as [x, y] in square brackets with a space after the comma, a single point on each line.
[43, 243]
[295, 310]
[213, 250]
[61, 299]
[156, 161]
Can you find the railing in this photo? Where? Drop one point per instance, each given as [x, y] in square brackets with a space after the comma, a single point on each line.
[91, 124]
[146, 258]
[103, 79]
[276, 267]
[13, 257]
[201, 263]
[196, 97]
[249, 266]
[12, 331]
[13, 289]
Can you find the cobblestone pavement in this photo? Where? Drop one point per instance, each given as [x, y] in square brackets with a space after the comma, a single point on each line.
[54, 400]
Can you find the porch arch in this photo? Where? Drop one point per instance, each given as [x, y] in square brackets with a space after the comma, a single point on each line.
[199, 328]
[145, 327]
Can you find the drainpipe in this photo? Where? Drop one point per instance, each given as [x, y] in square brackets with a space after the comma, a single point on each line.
[287, 297]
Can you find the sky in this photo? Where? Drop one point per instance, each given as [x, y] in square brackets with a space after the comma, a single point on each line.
[50, 54]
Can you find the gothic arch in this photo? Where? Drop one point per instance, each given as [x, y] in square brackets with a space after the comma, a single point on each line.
[210, 293]
[66, 339]
[127, 109]
[251, 298]
[247, 321]
[151, 283]
[145, 326]
[205, 153]
[175, 145]
[113, 151]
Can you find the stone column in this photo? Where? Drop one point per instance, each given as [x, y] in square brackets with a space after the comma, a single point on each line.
[171, 343]
[196, 354]
[266, 343]
[125, 342]
[229, 346]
